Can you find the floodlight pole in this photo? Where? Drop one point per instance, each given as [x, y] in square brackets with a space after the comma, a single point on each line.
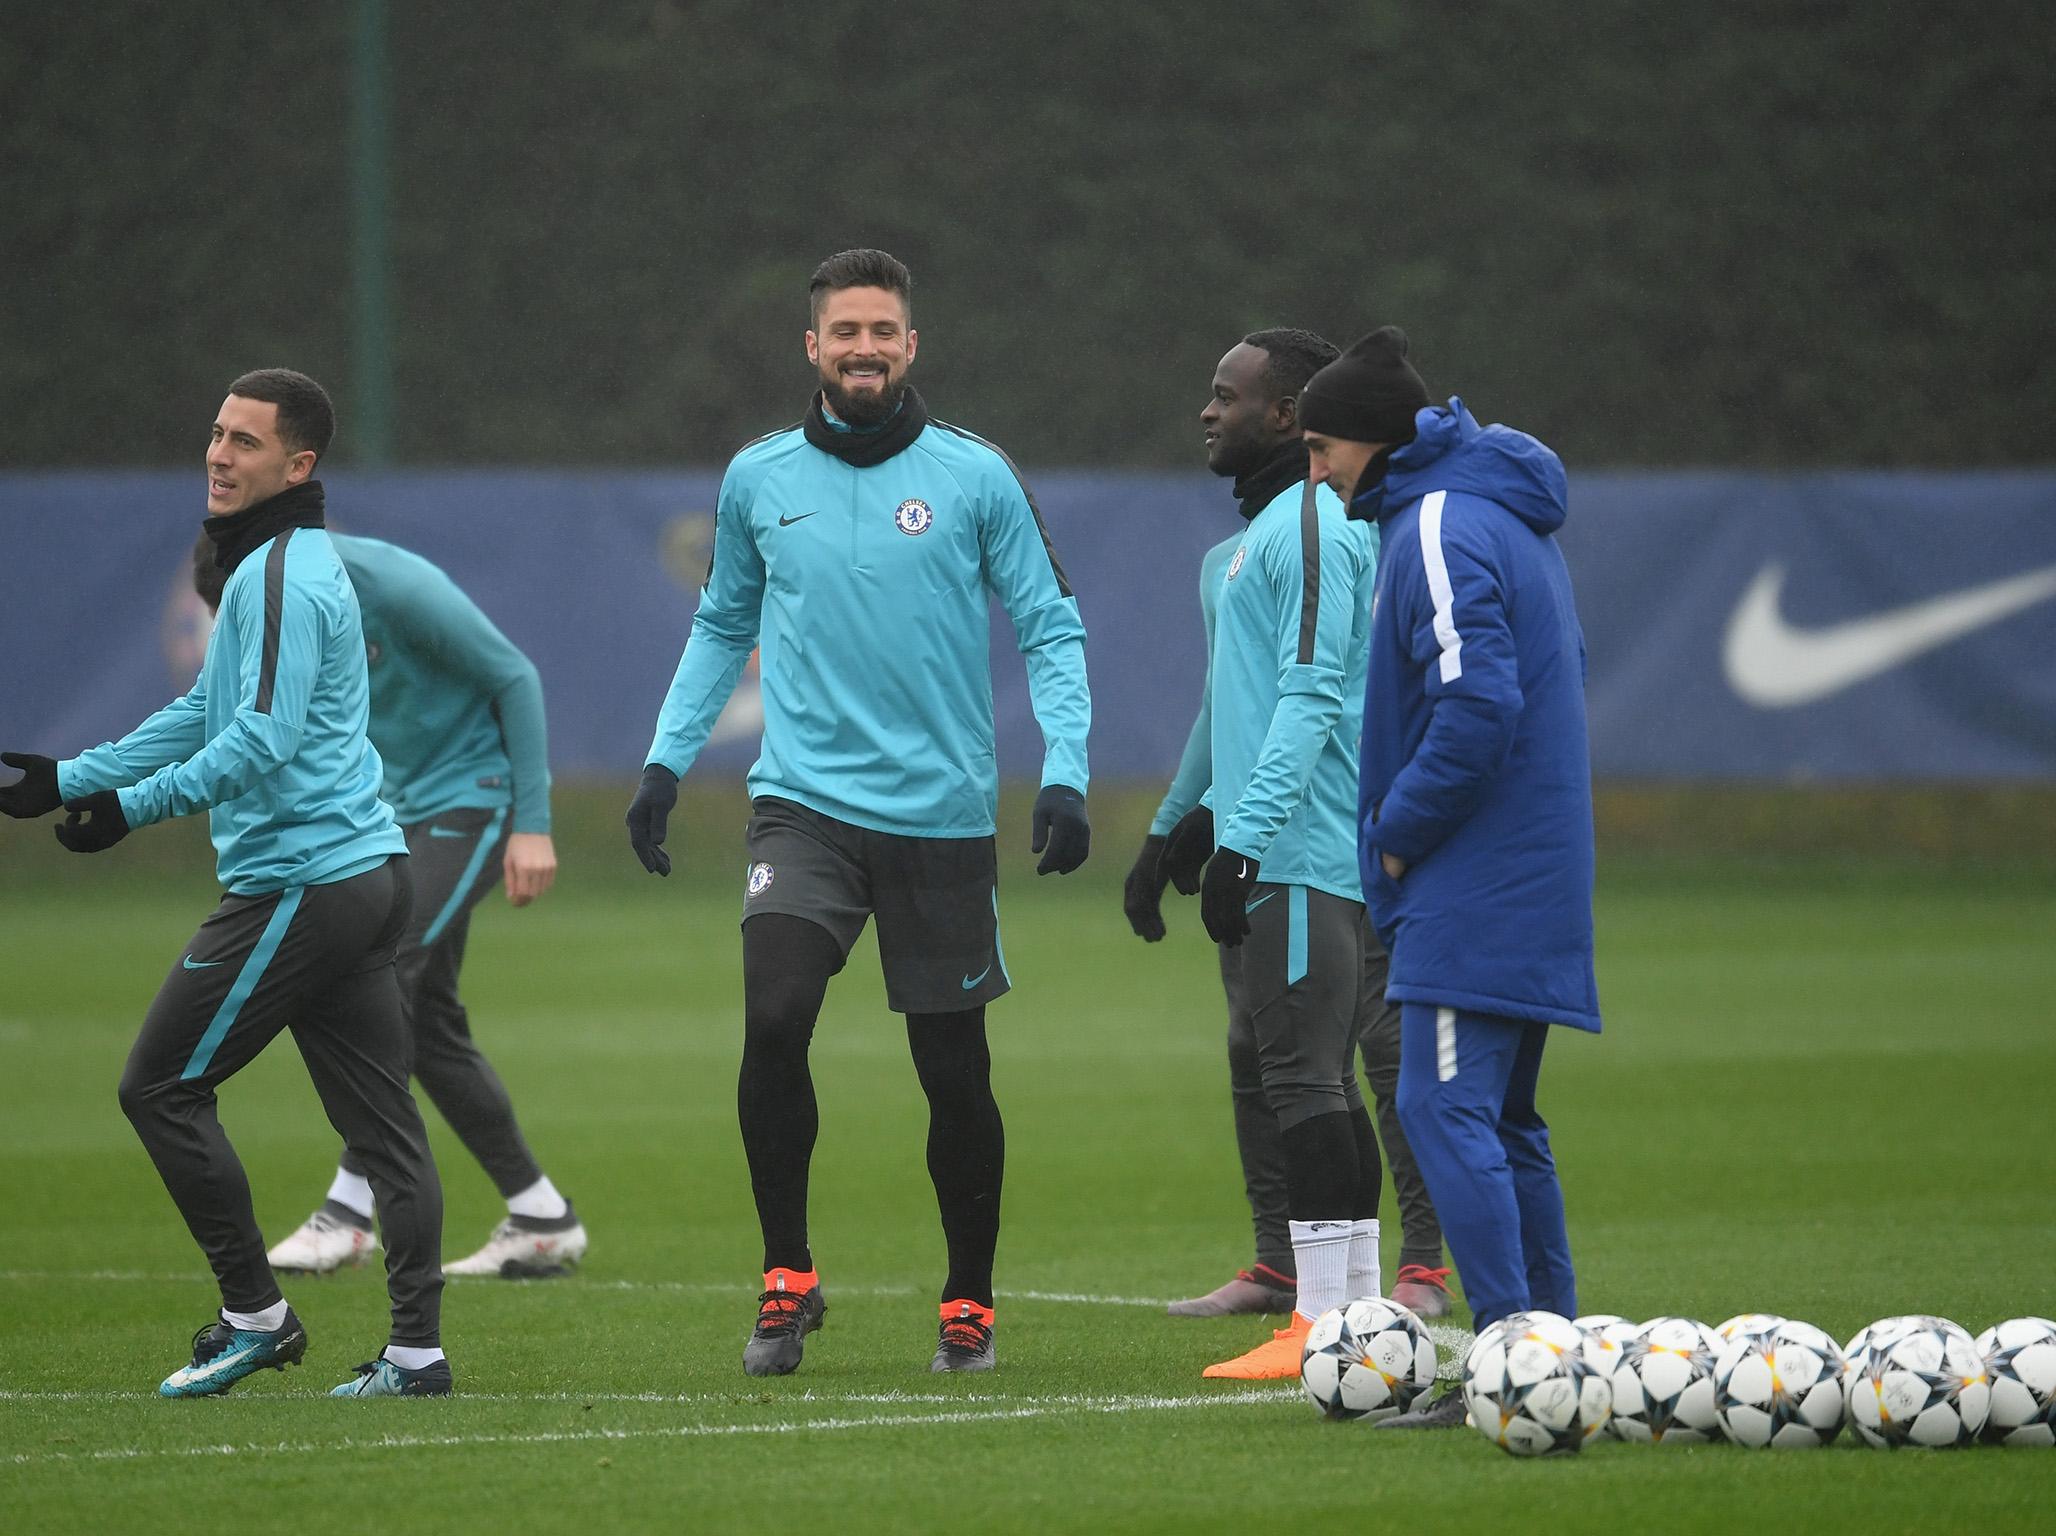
[370, 435]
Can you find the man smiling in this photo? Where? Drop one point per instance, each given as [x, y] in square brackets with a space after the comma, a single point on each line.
[863, 546]
[271, 743]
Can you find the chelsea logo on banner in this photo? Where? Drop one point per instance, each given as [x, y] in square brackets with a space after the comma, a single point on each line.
[760, 878]
[913, 516]
[1236, 564]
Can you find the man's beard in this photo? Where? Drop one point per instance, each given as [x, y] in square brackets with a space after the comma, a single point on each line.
[866, 410]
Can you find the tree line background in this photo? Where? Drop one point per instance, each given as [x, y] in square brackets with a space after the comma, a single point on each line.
[1765, 234]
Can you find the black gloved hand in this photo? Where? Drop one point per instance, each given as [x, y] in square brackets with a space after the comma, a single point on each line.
[1059, 821]
[649, 817]
[1186, 849]
[95, 823]
[1230, 876]
[35, 792]
[1142, 893]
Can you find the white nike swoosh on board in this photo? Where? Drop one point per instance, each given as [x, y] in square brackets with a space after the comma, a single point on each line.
[1774, 665]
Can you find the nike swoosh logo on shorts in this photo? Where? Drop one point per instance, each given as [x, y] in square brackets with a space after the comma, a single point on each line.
[1267, 895]
[199, 965]
[972, 981]
[787, 522]
[1774, 665]
[447, 832]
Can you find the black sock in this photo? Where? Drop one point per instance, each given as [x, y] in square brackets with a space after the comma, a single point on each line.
[786, 963]
[1321, 1168]
[1370, 1167]
[967, 1144]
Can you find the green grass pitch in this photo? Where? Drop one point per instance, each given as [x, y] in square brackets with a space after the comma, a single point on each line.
[1825, 1090]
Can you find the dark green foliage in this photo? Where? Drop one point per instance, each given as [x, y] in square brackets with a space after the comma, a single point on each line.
[1757, 233]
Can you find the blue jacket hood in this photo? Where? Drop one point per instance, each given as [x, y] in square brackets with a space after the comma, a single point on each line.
[1451, 452]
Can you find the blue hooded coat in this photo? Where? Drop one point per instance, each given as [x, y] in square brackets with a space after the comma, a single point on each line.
[1475, 768]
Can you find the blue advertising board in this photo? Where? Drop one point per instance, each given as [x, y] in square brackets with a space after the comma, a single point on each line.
[1826, 626]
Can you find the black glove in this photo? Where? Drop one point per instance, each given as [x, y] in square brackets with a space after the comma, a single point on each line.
[649, 816]
[1059, 821]
[1230, 876]
[1142, 893]
[1186, 849]
[95, 823]
[35, 792]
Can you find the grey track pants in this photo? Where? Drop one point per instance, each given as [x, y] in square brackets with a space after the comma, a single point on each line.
[316, 960]
[456, 861]
[1263, 1149]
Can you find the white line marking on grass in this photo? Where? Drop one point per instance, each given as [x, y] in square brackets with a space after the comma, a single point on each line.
[1039, 1408]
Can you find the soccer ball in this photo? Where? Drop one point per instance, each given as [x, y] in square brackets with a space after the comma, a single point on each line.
[1782, 1387]
[1746, 1322]
[1916, 1381]
[1368, 1360]
[1605, 1333]
[2020, 1359]
[1663, 1383]
[1530, 1389]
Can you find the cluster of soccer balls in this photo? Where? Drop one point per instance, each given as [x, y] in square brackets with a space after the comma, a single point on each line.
[1536, 1383]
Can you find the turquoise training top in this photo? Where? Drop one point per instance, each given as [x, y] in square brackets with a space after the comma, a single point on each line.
[271, 738]
[869, 590]
[456, 709]
[1286, 686]
[1196, 763]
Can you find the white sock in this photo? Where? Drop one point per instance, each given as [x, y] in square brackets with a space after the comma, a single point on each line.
[1321, 1251]
[270, 1320]
[1363, 1259]
[353, 1190]
[412, 1359]
[539, 1201]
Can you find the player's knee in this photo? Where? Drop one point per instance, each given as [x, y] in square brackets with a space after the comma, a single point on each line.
[1295, 1103]
[1526, 1143]
[777, 1019]
[141, 1096]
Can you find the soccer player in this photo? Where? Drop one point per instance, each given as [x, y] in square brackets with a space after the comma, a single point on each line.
[1252, 435]
[457, 721]
[1476, 805]
[863, 546]
[270, 741]
[1281, 894]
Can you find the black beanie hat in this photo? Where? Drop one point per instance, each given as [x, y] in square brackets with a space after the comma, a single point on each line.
[1367, 395]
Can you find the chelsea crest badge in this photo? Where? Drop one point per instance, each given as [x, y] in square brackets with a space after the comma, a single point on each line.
[913, 516]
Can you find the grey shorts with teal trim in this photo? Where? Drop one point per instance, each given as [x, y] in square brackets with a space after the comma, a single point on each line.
[936, 900]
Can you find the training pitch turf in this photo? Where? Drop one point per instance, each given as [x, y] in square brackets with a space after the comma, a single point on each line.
[1825, 1091]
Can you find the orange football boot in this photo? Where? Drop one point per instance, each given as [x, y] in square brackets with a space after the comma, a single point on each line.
[1277, 1359]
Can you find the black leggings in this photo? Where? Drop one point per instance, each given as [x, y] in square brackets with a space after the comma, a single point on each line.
[787, 962]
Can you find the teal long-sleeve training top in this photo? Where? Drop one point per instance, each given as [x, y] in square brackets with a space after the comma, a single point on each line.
[869, 591]
[1290, 652]
[271, 738]
[456, 708]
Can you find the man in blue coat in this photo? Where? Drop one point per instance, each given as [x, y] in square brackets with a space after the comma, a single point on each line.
[1475, 804]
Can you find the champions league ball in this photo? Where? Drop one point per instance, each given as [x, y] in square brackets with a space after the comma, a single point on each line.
[2020, 1359]
[1746, 1322]
[1605, 1333]
[1370, 1359]
[1663, 1384]
[1530, 1388]
[1782, 1387]
[1916, 1381]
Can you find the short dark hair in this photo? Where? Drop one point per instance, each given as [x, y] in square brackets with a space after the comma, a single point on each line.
[1295, 356]
[861, 268]
[306, 416]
